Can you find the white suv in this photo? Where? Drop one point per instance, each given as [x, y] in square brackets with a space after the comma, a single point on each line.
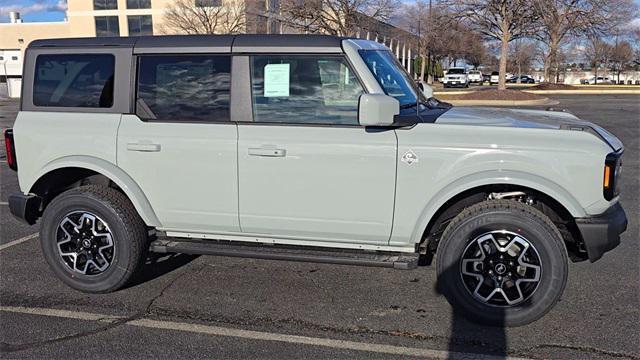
[475, 77]
[456, 77]
[302, 148]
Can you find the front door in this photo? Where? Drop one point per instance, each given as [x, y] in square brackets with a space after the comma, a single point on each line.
[307, 170]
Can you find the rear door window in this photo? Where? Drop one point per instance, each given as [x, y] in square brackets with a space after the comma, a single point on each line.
[190, 88]
[74, 80]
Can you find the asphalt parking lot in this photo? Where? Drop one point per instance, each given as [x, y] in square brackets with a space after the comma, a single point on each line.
[196, 307]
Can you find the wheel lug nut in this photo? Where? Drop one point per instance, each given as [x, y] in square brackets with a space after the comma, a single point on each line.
[499, 278]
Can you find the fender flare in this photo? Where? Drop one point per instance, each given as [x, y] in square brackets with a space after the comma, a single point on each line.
[516, 178]
[111, 171]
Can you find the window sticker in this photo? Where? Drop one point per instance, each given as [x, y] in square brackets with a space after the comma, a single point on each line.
[276, 80]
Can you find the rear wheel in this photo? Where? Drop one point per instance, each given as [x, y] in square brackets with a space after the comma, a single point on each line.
[502, 263]
[93, 238]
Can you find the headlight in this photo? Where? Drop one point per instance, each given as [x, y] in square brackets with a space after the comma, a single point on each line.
[611, 176]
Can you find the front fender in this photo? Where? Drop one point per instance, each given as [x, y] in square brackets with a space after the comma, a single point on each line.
[468, 182]
[111, 171]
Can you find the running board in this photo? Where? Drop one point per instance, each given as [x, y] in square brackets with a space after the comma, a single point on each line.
[403, 261]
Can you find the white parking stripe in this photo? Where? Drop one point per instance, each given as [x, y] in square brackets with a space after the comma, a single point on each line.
[79, 315]
[19, 241]
[256, 335]
[4, 203]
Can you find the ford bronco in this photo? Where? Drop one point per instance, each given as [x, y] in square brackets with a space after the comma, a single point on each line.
[302, 148]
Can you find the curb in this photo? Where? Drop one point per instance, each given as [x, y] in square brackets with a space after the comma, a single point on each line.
[588, 92]
[569, 92]
[539, 102]
[462, 92]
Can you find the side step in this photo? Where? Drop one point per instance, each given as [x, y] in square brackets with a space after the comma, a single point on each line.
[403, 261]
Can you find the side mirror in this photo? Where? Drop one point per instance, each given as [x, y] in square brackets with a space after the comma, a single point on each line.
[377, 110]
[426, 90]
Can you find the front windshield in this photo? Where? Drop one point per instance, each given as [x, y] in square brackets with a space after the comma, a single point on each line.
[455, 71]
[390, 75]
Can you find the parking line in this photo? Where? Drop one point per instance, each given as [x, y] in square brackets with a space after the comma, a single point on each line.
[19, 241]
[4, 203]
[257, 335]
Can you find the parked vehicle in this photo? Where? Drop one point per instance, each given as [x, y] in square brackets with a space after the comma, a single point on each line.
[456, 77]
[302, 148]
[495, 78]
[475, 77]
[523, 79]
[600, 80]
[486, 78]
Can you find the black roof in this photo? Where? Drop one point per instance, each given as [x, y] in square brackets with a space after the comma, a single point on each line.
[239, 43]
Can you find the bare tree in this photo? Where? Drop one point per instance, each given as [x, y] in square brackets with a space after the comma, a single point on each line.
[440, 35]
[501, 20]
[562, 19]
[475, 50]
[203, 17]
[597, 52]
[521, 57]
[635, 38]
[337, 17]
[417, 18]
[621, 56]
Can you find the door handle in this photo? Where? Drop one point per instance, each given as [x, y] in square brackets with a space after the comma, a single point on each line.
[144, 147]
[267, 152]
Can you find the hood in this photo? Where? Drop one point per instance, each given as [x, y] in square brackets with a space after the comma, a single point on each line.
[532, 119]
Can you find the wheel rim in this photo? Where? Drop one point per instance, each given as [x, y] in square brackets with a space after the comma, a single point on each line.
[85, 243]
[501, 268]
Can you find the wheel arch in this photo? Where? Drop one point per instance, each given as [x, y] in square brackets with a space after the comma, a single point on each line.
[552, 199]
[67, 171]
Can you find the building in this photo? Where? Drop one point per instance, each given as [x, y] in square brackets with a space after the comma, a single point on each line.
[97, 18]
[89, 18]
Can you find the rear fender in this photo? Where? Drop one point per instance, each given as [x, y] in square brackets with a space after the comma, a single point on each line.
[111, 171]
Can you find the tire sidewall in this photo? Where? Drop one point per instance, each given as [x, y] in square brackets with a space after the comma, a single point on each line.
[121, 263]
[550, 249]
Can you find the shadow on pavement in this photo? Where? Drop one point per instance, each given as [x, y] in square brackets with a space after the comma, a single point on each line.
[469, 337]
[157, 265]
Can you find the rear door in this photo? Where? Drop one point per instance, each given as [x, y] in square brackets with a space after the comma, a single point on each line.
[180, 145]
[307, 169]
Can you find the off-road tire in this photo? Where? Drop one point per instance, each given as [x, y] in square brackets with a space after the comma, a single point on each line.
[129, 236]
[515, 217]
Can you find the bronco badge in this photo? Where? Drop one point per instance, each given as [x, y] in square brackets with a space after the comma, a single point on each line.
[409, 157]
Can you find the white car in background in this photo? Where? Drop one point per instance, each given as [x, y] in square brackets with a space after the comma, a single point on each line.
[495, 78]
[475, 77]
[456, 77]
[601, 80]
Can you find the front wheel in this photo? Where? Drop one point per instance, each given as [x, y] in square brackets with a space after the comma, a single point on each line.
[93, 238]
[502, 263]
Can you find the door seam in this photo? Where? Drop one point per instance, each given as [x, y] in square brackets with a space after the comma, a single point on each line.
[395, 190]
[238, 174]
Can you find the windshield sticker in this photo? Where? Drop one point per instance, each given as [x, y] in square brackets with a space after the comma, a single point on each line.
[276, 80]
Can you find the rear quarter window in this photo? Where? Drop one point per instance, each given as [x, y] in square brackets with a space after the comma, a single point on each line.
[84, 80]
